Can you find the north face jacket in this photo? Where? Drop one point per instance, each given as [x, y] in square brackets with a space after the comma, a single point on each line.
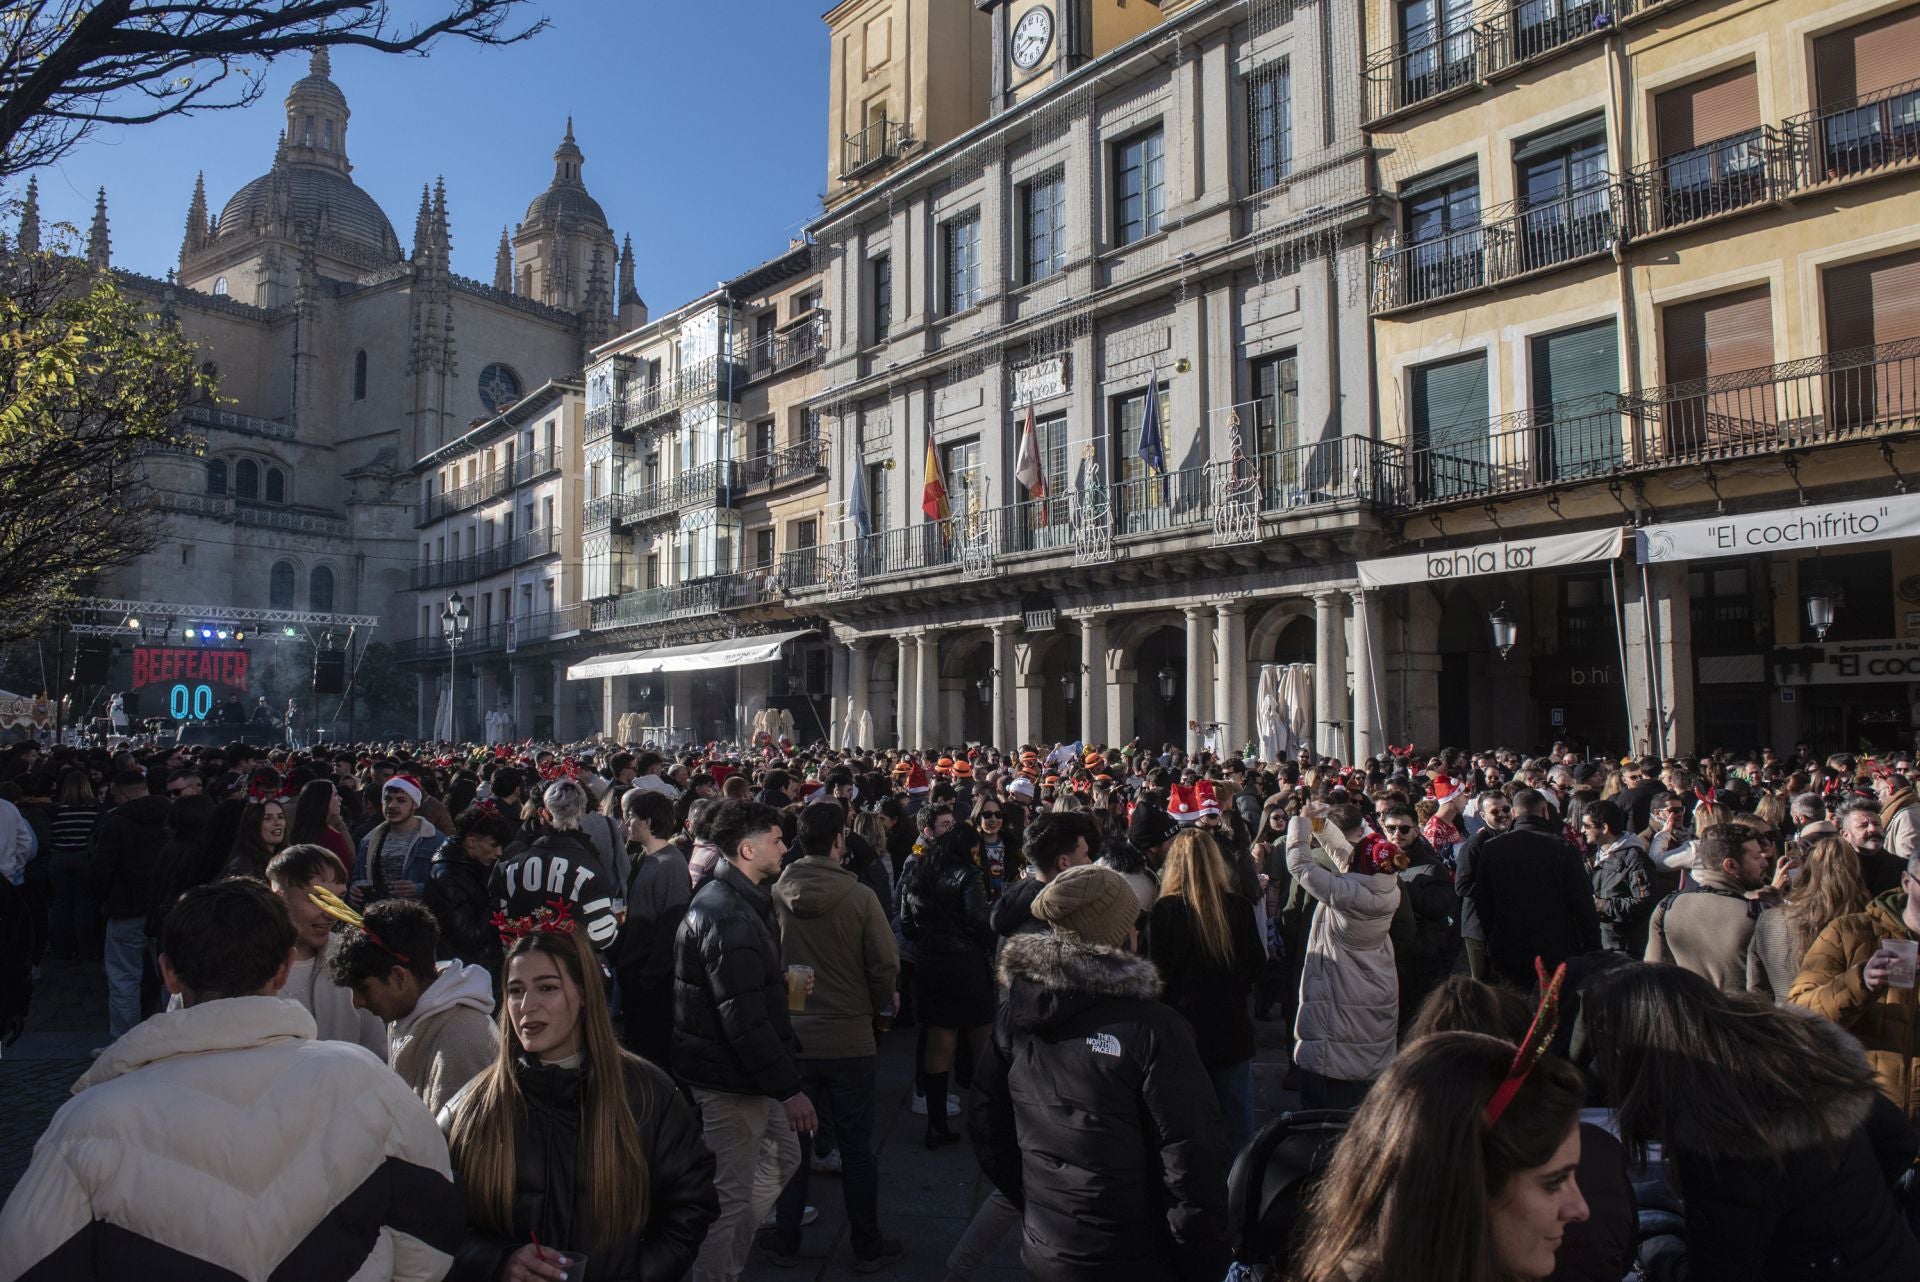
[223, 1140]
[1094, 1114]
[731, 1030]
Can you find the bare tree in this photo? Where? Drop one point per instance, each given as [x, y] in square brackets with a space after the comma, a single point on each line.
[69, 66]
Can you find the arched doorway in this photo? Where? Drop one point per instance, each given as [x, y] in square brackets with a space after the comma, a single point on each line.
[1463, 667]
[1160, 700]
[969, 663]
[1057, 669]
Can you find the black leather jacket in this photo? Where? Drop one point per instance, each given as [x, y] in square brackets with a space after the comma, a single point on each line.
[550, 1198]
[731, 1030]
[944, 910]
[456, 891]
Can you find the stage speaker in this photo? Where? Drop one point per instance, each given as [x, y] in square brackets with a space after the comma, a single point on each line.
[92, 661]
[330, 673]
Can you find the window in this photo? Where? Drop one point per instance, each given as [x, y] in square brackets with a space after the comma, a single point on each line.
[961, 239]
[1444, 237]
[1869, 102]
[653, 569]
[220, 287]
[216, 476]
[1276, 422]
[246, 479]
[806, 426]
[962, 464]
[1139, 187]
[763, 549]
[1712, 147]
[760, 438]
[879, 498]
[1450, 418]
[1043, 216]
[1721, 602]
[1440, 45]
[546, 505]
[805, 302]
[280, 581]
[1703, 340]
[360, 376]
[763, 327]
[1269, 125]
[806, 533]
[1139, 490]
[1562, 178]
[320, 589]
[276, 485]
[1576, 374]
[1870, 303]
[882, 297]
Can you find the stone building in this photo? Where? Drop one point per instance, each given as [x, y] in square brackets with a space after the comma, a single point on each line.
[343, 358]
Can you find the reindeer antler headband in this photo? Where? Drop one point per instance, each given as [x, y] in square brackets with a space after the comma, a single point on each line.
[1546, 1020]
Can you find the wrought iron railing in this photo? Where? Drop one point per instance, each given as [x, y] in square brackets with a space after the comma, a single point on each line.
[478, 565]
[692, 599]
[721, 376]
[1729, 174]
[1466, 48]
[1511, 241]
[795, 345]
[479, 640]
[1863, 135]
[548, 624]
[870, 148]
[804, 460]
[488, 485]
[1853, 395]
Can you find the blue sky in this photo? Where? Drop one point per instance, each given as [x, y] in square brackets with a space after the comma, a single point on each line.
[703, 124]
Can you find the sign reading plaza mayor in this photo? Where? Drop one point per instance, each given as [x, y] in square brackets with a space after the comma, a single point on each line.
[1896, 517]
[1515, 556]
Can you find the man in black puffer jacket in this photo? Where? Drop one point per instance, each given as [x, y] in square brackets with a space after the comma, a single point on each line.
[733, 1040]
[1093, 1111]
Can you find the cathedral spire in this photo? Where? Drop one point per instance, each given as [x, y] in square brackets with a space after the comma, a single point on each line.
[567, 159]
[422, 221]
[99, 245]
[196, 218]
[503, 264]
[439, 237]
[28, 239]
[317, 114]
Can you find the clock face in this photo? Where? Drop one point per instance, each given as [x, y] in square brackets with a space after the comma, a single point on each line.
[1031, 37]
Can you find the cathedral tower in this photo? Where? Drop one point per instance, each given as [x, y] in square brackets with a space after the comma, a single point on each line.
[555, 245]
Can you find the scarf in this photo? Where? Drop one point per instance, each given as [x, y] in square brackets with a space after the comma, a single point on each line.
[1376, 854]
[1895, 804]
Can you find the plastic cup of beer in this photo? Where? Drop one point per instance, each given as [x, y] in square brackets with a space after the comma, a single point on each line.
[798, 977]
[1317, 815]
[1906, 957]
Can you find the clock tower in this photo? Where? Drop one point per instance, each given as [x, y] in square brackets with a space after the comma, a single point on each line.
[1038, 42]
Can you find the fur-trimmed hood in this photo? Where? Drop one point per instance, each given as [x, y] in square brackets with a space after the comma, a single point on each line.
[1050, 977]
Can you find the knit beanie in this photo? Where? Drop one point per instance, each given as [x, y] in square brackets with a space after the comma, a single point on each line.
[1093, 903]
[1151, 826]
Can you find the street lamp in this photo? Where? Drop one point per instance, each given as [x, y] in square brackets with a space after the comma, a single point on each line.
[1505, 631]
[1069, 688]
[453, 626]
[984, 689]
[1167, 677]
[1820, 614]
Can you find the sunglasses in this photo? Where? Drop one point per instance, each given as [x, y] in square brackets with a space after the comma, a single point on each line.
[1399, 828]
[989, 814]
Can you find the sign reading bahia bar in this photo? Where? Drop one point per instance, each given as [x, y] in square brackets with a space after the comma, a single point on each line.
[1516, 556]
[164, 664]
[1896, 517]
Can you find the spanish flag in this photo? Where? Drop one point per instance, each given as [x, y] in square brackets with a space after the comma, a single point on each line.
[933, 499]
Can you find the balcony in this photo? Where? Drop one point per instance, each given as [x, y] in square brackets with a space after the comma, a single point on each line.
[1347, 470]
[488, 485]
[211, 417]
[700, 382]
[1508, 243]
[1839, 398]
[479, 640]
[795, 344]
[545, 626]
[493, 560]
[1473, 47]
[693, 599]
[604, 420]
[804, 461]
[1722, 177]
[878, 144]
[708, 485]
[1859, 136]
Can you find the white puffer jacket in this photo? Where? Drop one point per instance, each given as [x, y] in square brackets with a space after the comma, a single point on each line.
[226, 1134]
[1349, 990]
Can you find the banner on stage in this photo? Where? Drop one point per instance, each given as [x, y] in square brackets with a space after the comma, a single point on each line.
[1515, 556]
[1895, 517]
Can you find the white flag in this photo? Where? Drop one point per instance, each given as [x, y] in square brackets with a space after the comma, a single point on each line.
[1026, 468]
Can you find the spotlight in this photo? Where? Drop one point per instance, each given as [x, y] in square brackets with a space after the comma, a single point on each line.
[290, 632]
[239, 634]
[206, 634]
[222, 634]
[134, 624]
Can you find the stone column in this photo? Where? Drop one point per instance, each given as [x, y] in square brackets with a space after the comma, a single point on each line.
[609, 714]
[1093, 679]
[1199, 670]
[1658, 663]
[1329, 676]
[1367, 740]
[1003, 676]
[903, 690]
[859, 684]
[926, 698]
[1230, 680]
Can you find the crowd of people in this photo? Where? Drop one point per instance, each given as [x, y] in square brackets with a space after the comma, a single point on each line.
[504, 1013]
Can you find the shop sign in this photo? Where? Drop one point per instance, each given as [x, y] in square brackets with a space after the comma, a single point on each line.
[1039, 381]
[1781, 529]
[1848, 663]
[1516, 556]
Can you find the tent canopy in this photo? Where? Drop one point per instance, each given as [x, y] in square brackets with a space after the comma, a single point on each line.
[686, 658]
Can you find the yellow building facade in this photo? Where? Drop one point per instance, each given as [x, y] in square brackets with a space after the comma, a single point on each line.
[1655, 268]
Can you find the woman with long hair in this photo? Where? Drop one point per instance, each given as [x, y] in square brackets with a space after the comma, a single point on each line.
[1829, 886]
[74, 926]
[316, 820]
[1770, 1122]
[1423, 1186]
[262, 835]
[989, 817]
[1202, 935]
[569, 1146]
[943, 911]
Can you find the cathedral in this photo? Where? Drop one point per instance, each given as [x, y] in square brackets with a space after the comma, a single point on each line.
[342, 358]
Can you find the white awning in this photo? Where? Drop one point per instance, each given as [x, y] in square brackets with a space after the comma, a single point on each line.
[686, 658]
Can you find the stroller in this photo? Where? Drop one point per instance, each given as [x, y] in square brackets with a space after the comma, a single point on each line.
[1268, 1186]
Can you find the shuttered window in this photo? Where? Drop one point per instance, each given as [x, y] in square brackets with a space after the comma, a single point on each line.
[1870, 303]
[1575, 375]
[1866, 58]
[1706, 340]
[1450, 415]
[1708, 110]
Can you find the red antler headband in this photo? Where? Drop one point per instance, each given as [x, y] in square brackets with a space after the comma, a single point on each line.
[1546, 1019]
[263, 791]
[555, 918]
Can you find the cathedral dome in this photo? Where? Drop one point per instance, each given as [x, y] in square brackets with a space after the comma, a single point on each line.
[570, 203]
[352, 218]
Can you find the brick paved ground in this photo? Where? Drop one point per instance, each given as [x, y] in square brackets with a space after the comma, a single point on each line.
[926, 1199]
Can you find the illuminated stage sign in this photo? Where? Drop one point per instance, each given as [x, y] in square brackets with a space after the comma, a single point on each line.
[197, 677]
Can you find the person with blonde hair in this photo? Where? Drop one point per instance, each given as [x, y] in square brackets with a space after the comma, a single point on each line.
[569, 1147]
[1202, 935]
[1829, 886]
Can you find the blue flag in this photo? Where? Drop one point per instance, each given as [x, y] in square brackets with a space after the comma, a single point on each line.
[1153, 447]
[858, 510]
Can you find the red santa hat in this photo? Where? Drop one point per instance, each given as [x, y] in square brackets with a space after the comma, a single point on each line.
[404, 784]
[917, 780]
[1188, 801]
